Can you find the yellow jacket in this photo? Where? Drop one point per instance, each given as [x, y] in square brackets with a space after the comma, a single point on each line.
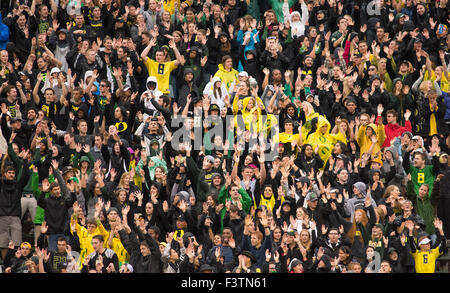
[365, 142]
[445, 86]
[85, 239]
[122, 253]
[326, 141]
[227, 77]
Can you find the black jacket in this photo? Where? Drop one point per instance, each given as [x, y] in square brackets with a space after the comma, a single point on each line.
[11, 193]
[57, 211]
[439, 115]
[142, 264]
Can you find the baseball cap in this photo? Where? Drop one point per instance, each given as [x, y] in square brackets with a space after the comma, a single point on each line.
[214, 107]
[25, 244]
[55, 70]
[311, 196]
[425, 241]
[210, 158]
[243, 73]
[377, 160]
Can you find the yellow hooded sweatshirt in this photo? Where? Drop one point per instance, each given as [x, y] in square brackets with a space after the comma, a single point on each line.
[365, 142]
[248, 115]
[85, 239]
[227, 77]
[445, 86]
[326, 141]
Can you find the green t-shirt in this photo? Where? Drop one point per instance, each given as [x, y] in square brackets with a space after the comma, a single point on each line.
[335, 36]
[419, 177]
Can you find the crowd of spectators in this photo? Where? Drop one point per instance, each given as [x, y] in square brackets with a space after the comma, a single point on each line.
[171, 136]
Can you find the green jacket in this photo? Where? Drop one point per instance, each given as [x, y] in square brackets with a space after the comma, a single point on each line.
[77, 159]
[18, 163]
[423, 207]
[40, 213]
[277, 6]
[246, 201]
[198, 177]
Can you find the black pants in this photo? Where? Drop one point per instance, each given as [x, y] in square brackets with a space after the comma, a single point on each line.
[443, 213]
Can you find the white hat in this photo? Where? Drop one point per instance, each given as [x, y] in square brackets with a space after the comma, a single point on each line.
[243, 73]
[426, 240]
[130, 268]
[55, 70]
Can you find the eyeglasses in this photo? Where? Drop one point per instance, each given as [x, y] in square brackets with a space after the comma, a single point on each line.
[371, 69]
[102, 85]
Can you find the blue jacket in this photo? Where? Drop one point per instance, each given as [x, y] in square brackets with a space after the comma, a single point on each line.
[4, 34]
[447, 105]
[258, 253]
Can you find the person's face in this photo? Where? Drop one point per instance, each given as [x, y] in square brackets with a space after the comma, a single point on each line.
[159, 57]
[351, 107]
[96, 244]
[228, 63]
[380, 33]
[288, 127]
[25, 251]
[144, 250]
[393, 256]
[122, 196]
[343, 24]
[277, 234]
[4, 57]
[298, 269]
[385, 267]
[210, 201]
[343, 176]
[268, 192]
[41, 63]
[234, 192]
[21, 21]
[364, 119]
[189, 15]
[91, 228]
[248, 173]
[418, 161]
[425, 247]
[423, 191]
[56, 191]
[304, 236]
[420, 10]
[391, 118]
[312, 204]
[333, 235]
[376, 177]
[343, 255]
[79, 20]
[97, 141]
[83, 127]
[206, 164]
[255, 240]
[376, 232]
[276, 74]
[323, 129]
[308, 63]
[217, 240]
[227, 235]
[91, 56]
[153, 190]
[96, 12]
[149, 208]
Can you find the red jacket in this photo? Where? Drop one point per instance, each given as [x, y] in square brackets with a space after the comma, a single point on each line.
[394, 130]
